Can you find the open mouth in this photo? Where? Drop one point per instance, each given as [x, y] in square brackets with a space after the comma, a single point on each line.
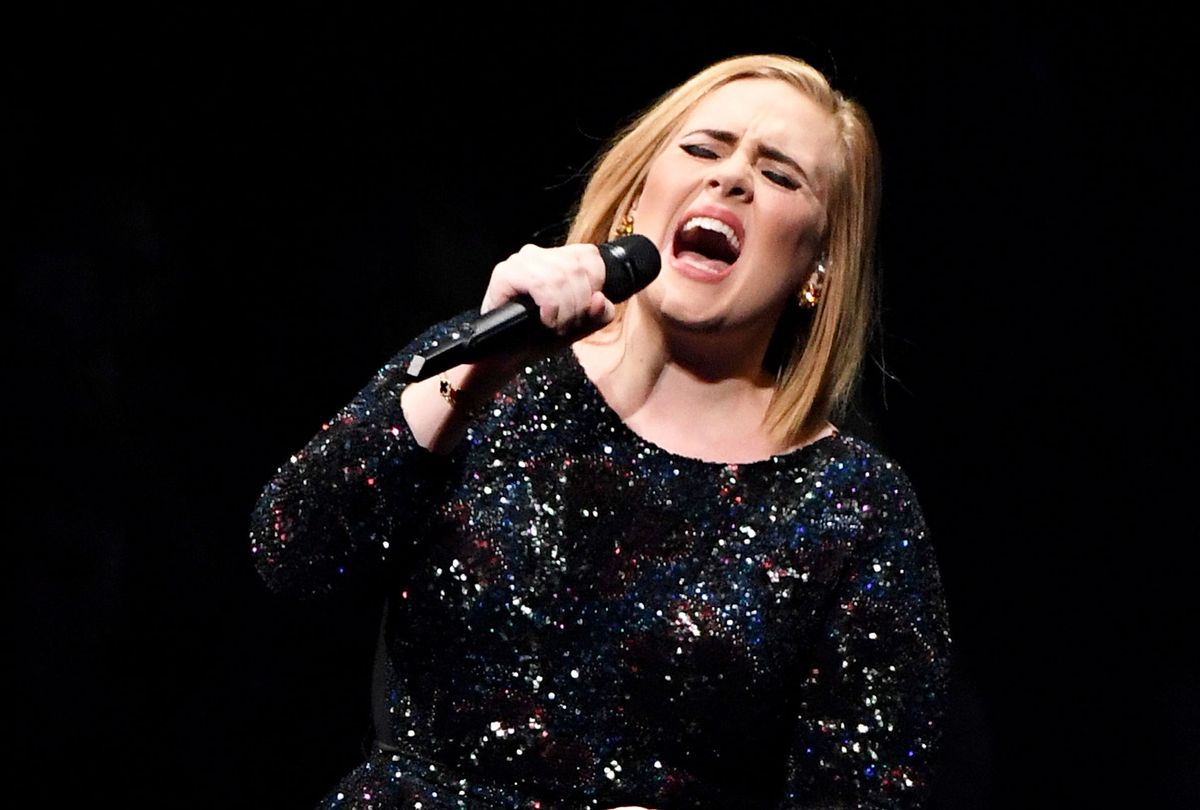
[707, 243]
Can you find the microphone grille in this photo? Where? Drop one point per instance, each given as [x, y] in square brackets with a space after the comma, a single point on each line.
[630, 263]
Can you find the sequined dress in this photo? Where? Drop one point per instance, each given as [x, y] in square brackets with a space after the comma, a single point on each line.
[577, 618]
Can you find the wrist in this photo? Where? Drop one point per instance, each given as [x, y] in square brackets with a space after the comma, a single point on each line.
[464, 404]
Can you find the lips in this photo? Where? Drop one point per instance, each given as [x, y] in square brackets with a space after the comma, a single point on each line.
[708, 243]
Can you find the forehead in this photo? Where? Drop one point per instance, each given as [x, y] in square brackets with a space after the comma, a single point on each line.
[770, 110]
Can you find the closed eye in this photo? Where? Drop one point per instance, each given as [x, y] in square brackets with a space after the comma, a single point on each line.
[697, 150]
[781, 179]
[705, 153]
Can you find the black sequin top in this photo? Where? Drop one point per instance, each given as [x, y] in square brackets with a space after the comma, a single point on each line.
[579, 619]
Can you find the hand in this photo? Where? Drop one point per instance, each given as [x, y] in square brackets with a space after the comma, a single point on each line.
[565, 282]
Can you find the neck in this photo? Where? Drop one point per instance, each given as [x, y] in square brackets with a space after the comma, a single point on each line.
[697, 393]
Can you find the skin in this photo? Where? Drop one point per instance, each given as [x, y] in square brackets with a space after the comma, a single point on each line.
[730, 155]
[686, 373]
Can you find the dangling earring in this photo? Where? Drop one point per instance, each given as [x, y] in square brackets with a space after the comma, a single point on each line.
[625, 228]
[810, 293]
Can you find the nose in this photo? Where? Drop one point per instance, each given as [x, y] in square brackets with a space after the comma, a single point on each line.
[732, 177]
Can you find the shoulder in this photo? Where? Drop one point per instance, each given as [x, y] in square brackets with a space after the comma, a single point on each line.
[893, 552]
[860, 477]
[862, 462]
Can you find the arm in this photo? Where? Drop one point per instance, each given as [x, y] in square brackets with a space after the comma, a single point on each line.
[870, 705]
[351, 499]
[565, 282]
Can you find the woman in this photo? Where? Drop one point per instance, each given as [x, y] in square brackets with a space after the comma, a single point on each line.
[642, 567]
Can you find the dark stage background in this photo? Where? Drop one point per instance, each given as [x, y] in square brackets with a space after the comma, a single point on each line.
[224, 223]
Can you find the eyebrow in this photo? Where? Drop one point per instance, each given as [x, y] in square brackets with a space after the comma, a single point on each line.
[725, 136]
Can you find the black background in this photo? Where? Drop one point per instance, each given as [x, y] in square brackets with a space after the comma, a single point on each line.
[225, 222]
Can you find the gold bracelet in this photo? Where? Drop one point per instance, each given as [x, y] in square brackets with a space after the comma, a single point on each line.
[457, 400]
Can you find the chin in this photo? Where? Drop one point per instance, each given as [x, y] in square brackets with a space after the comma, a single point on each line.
[682, 310]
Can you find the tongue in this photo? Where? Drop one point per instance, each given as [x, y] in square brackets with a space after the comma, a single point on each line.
[702, 262]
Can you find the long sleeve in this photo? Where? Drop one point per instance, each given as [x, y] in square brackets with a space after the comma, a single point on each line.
[353, 499]
[589, 620]
[870, 705]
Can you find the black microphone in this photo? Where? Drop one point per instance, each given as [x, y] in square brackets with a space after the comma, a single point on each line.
[630, 263]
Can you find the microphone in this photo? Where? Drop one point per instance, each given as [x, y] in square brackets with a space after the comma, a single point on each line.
[630, 263]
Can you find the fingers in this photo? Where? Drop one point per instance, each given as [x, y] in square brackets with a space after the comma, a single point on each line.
[600, 309]
[565, 282]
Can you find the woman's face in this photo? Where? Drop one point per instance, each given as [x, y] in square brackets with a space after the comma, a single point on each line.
[736, 202]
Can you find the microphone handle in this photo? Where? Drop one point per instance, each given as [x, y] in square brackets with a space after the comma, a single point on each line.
[630, 263]
[505, 321]
[506, 326]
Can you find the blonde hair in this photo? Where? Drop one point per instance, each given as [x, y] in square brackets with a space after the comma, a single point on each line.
[820, 356]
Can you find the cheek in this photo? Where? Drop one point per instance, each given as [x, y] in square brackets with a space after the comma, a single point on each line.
[810, 225]
[798, 236]
[659, 176]
[667, 175]
[652, 202]
[785, 271]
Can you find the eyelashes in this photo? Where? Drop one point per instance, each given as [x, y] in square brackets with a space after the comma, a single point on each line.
[696, 150]
[703, 152]
[781, 179]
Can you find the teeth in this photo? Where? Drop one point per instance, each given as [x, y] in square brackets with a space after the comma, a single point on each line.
[710, 224]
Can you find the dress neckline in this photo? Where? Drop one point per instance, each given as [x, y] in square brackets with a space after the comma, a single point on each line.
[611, 416]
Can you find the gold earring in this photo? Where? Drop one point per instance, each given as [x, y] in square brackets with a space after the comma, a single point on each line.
[626, 226]
[810, 293]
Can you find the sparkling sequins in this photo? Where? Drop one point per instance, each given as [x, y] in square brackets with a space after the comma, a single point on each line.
[581, 619]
